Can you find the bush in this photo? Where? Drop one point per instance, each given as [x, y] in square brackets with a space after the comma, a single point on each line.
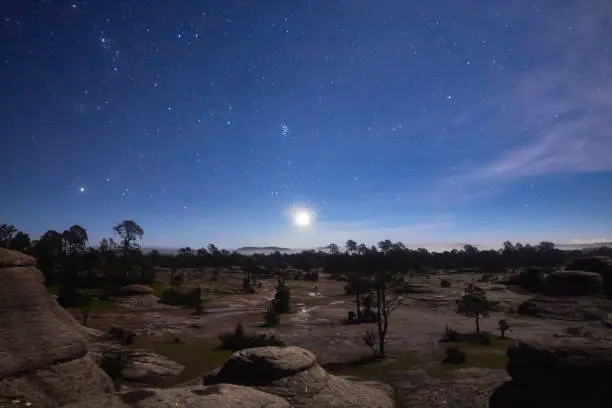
[239, 340]
[370, 339]
[445, 284]
[450, 335]
[180, 297]
[311, 276]
[70, 296]
[125, 336]
[528, 308]
[282, 297]
[454, 355]
[271, 317]
[114, 363]
[481, 339]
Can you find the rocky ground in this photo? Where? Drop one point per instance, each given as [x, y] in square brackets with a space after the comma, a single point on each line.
[318, 314]
[47, 359]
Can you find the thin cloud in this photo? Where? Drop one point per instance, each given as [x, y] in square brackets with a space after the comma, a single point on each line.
[565, 109]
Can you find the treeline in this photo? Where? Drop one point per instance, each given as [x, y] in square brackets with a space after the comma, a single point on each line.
[66, 257]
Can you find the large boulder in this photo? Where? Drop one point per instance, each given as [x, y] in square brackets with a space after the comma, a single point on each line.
[141, 366]
[573, 374]
[573, 283]
[293, 374]
[598, 264]
[43, 351]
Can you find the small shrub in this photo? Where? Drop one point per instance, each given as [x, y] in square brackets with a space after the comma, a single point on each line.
[351, 316]
[311, 276]
[528, 308]
[450, 335]
[370, 339]
[175, 296]
[486, 278]
[454, 355]
[283, 298]
[128, 338]
[445, 284]
[271, 317]
[199, 310]
[247, 287]
[503, 327]
[239, 340]
[70, 296]
[114, 363]
[481, 339]
[125, 336]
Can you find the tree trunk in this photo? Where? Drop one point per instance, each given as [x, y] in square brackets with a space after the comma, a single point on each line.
[382, 321]
[477, 324]
[358, 302]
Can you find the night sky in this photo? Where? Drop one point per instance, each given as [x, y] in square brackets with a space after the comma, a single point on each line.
[429, 122]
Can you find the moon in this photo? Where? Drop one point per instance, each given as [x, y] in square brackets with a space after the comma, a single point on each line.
[302, 218]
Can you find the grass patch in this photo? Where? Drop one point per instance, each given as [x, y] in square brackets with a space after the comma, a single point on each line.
[373, 369]
[497, 343]
[198, 357]
[98, 306]
[159, 288]
[474, 359]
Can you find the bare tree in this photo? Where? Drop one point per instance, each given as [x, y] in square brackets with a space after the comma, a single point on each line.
[387, 299]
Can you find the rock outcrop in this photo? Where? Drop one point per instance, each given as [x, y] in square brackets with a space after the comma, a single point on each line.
[559, 375]
[43, 350]
[292, 373]
[598, 264]
[141, 366]
[573, 283]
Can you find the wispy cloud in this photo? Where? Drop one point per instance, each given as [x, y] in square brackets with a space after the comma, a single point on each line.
[563, 110]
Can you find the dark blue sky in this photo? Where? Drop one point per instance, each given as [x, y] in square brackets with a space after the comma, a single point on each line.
[428, 122]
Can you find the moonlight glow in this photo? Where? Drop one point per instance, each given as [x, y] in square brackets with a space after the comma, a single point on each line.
[301, 216]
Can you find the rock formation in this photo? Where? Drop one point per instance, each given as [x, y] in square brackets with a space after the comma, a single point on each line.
[43, 350]
[573, 283]
[292, 373]
[598, 264]
[572, 375]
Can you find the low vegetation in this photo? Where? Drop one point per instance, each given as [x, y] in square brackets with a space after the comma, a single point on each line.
[239, 340]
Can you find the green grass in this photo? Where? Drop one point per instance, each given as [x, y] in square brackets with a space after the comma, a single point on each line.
[370, 369]
[98, 306]
[198, 358]
[158, 288]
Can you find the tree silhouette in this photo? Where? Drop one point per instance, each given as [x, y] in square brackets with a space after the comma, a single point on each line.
[474, 303]
[7, 232]
[351, 247]
[128, 232]
[333, 249]
[75, 239]
[20, 242]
